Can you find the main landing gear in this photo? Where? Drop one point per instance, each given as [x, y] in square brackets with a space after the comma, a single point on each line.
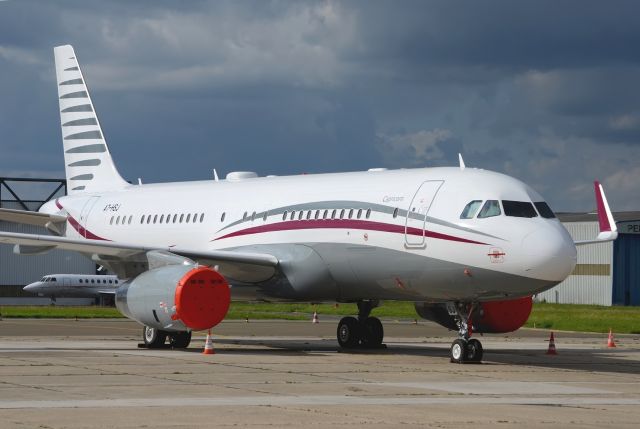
[465, 348]
[364, 332]
[155, 338]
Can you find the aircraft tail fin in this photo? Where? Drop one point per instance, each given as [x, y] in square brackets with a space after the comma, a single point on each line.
[88, 163]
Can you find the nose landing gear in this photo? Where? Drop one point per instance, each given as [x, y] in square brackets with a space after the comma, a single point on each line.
[465, 348]
[364, 332]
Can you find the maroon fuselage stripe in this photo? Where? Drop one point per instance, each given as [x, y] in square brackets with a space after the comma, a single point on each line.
[81, 230]
[344, 224]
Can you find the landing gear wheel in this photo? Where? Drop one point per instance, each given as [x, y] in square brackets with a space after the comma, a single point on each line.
[373, 332]
[180, 340]
[153, 338]
[348, 332]
[474, 350]
[458, 351]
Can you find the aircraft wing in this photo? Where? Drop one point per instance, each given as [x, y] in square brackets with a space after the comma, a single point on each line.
[608, 228]
[237, 265]
[30, 218]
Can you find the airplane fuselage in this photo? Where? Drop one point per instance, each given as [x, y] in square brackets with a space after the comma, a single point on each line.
[394, 234]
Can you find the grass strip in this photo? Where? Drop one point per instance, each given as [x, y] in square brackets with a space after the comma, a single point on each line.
[561, 317]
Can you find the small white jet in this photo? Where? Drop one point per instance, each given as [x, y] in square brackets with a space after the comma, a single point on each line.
[468, 246]
[74, 286]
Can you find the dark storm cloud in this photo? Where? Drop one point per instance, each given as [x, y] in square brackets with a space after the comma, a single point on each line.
[539, 90]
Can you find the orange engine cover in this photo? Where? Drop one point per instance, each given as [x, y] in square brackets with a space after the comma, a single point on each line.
[503, 316]
[202, 298]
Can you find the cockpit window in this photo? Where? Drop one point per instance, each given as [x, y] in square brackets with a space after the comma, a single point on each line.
[519, 209]
[470, 210]
[544, 210]
[490, 208]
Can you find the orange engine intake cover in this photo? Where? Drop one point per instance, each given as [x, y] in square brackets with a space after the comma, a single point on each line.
[504, 316]
[202, 298]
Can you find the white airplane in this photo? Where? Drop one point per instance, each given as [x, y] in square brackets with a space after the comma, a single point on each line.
[74, 286]
[468, 246]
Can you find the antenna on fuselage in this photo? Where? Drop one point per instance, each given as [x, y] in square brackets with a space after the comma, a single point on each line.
[215, 175]
[462, 166]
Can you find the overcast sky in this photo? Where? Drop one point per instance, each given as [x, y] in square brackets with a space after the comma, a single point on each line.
[546, 91]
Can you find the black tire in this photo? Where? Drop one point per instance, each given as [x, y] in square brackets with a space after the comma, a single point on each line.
[373, 332]
[180, 340]
[153, 338]
[458, 352]
[348, 332]
[474, 350]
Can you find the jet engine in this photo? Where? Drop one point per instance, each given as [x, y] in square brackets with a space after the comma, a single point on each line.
[176, 298]
[489, 317]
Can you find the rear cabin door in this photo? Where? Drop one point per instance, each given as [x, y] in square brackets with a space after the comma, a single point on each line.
[416, 222]
[84, 216]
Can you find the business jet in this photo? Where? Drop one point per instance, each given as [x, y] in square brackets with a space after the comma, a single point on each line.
[74, 286]
[468, 246]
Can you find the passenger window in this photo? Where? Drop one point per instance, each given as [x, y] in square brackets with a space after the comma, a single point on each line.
[222, 217]
[130, 219]
[111, 222]
[491, 208]
[293, 215]
[325, 214]
[309, 215]
[142, 219]
[395, 213]
[342, 214]
[118, 220]
[470, 210]
[368, 213]
[80, 280]
[284, 215]
[350, 213]
[359, 213]
[188, 217]
[244, 216]
[110, 281]
[93, 281]
[148, 219]
[175, 218]
[544, 210]
[162, 219]
[300, 215]
[333, 214]
[317, 214]
[518, 209]
[155, 218]
[181, 217]
[264, 218]
[201, 217]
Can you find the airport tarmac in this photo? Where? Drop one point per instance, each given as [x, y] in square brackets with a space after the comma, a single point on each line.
[91, 374]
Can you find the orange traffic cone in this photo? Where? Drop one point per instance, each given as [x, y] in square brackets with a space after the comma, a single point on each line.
[315, 317]
[552, 346]
[208, 345]
[610, 342]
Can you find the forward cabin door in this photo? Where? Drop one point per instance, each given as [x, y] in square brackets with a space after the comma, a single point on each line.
[416, 222]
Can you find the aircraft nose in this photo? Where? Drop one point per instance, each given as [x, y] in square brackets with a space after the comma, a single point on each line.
[550, 252]
[30, 287]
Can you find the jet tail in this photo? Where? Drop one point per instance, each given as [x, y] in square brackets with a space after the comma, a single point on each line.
[88, 163]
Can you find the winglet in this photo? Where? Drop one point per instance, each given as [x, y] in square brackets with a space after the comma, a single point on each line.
[462, 166]
[608, 229]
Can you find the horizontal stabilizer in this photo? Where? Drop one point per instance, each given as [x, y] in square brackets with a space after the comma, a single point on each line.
[30, 218]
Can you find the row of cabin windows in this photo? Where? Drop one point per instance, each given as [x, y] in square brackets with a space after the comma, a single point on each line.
[104, 281]
[326, 214]
[511, 208]
[181, 218]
